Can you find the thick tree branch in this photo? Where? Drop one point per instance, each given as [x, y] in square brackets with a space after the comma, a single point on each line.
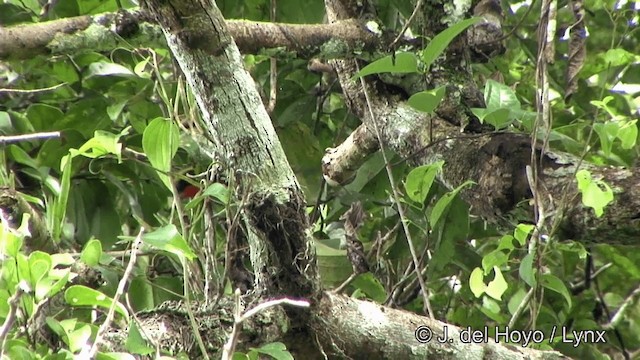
[136, 29]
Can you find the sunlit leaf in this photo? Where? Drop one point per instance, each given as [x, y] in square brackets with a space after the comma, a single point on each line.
[168, 238]
[79, 295]
[420, 179]
[160, 142]
[427, 101]
[497, 286]
[552, 282]
[402, 63]
[440, 42]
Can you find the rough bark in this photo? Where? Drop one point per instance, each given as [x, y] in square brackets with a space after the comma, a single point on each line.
[137, 29]
[281, 253]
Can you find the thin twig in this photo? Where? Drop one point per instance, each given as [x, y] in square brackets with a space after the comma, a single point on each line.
[11, 316]
[407, 24]
[119, 291]
[229, 347]
[523, 304]
[31, 91]
[28, 137]
[346, 283]
[396, 199]
[622, 309]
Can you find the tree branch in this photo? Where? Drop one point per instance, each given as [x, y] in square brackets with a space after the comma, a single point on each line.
[107, 31]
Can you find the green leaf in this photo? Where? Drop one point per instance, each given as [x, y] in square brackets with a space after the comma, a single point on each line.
[506, 243]
[160, 142]
[10, 241]
[20, 156]
[168, 238]
[79, 295]
[440, 42]
[500, 96]
[79, 338]
[497, 286]
[92, 252]
[596, 194]
[441, 207]
[59, 212]
[276, 350]
[493, 259]
[516, 300]
[552, 282]
[371, 286]
[499, 118]
[476, 282]
[135, 342]
[108, 69]
[420, 180]
[40, 264]
[48, 287]
[522, 231]
[217, 191]
[427, 101]
[405, 62]
[628, 134]
[102, 143]
[526, 270]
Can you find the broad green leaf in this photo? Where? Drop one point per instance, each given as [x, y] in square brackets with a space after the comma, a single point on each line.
[108, 69]
[607, 133]
[102, 143]
[79, 295]
[427, 101]
[371, 286]
[595, 193]
[405, 62]
[493, 259]
[476, 282]
[44, 117]
[628, 134]
[48, 287]
[497, 286]
[516, 300]
[20, 156]
[444, 202]
[79, 338]
[522, 231]
[526, 270]
[160, 142]
[10, 241]
[276, 350]
[506, 243]
[420, 180]
[440, 42]
[499, 118]
[92, 252]
[135, 343]
[552, 282]
[168, 238]
[217, 191]
[491, 309]
[60, 203]
[40, 264]
[500, 96]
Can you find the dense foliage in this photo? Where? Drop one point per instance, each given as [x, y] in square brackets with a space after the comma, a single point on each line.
[131, 139]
